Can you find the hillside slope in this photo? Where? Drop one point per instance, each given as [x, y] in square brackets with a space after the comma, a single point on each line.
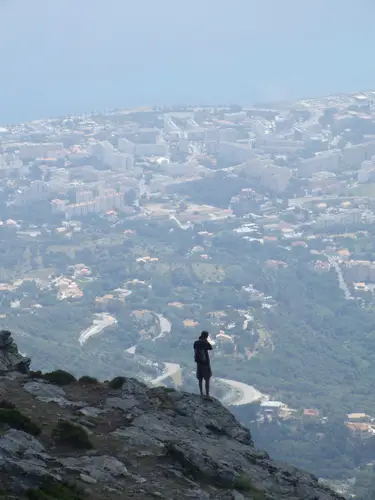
[66, 439]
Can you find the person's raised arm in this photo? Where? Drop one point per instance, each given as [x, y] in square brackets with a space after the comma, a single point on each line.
[209, 346]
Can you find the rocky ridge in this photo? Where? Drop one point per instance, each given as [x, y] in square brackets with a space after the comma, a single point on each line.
[62, 438]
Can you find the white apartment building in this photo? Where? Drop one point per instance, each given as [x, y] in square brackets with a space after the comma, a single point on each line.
[354, 155]
[121, 161]
[102, 150]
[40, 150]
[269, 175]
[183, 145]
[275, 178]
[59, 178]
[148, 135]
[37, 191]
[227, 134]
[343, 218]
[58, 206]
[152, 149]
[10, 165]
[84, 196]
[360, 270]
[366, 171]
[126, 146]
[211, 135]
[329, 161]
[196, 134]
[234, 152]
[211, 140]
[108, 200]
[281, 145]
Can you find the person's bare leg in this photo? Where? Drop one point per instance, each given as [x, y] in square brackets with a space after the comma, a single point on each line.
[200, 383]
[207, 387]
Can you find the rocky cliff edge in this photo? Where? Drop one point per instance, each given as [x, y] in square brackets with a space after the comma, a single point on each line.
[68, 439]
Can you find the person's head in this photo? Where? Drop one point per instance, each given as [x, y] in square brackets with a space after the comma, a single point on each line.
[204, 335]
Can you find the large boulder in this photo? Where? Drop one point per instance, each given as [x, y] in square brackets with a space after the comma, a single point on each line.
[10, 359]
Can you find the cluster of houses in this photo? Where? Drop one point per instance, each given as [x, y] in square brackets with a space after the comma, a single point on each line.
[359, 424]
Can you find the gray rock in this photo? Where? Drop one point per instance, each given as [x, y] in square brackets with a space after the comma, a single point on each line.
[16, 442]
[139, 479]
[133, 387]
[10, 359]
[90, 411]
[102, 468]
[44, 390]
[5, 339]
[124, 403]
[24, 457]
[173, 439]
[136, 438]
[237, 496]
[197, 494]
[88, 479]
[50, 393]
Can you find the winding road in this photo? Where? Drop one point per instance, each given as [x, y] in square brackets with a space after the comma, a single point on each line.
[238, 393]
[340, 277]
[100, 322]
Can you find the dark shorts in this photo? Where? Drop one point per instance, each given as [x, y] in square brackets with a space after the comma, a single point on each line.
[203, 371]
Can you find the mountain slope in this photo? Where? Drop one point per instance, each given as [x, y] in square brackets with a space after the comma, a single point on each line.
[66, 439]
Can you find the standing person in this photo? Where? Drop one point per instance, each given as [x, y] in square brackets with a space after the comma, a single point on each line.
[202, 358]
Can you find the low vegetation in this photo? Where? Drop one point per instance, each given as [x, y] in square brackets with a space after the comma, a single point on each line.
[117, 383]
[54, 490]
[68, 434]
[59, 377]
[4, 403]
[87, 380]
[244, 483]
[17, 420]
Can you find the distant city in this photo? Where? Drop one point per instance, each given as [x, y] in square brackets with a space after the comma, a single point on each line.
[124, 233]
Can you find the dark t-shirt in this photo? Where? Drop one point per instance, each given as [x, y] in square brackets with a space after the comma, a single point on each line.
[201, 348]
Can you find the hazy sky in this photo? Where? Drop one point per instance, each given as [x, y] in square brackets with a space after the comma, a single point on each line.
[61, 56]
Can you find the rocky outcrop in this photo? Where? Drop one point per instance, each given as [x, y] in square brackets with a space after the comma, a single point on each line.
[10, 359]
[134, 442]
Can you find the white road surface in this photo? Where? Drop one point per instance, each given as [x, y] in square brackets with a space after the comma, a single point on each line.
[165, 327]
[238, 394]
[98, 324]
[241, 394]
[171, 369]
[342, 284]
[182, 226]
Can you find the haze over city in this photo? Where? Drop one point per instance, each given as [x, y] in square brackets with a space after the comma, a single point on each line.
[66, 57]
[187, 250]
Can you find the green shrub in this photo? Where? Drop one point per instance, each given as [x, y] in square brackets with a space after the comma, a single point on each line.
[172, 451]
[168, 390]
[54, 490]
[4, 403]
[68, 434]
[244, 483]
[37, 374]
[59, 377]
[117, 383]
[16, 420]
[86, 379]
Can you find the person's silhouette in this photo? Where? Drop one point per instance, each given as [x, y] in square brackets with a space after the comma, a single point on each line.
[202, 359]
